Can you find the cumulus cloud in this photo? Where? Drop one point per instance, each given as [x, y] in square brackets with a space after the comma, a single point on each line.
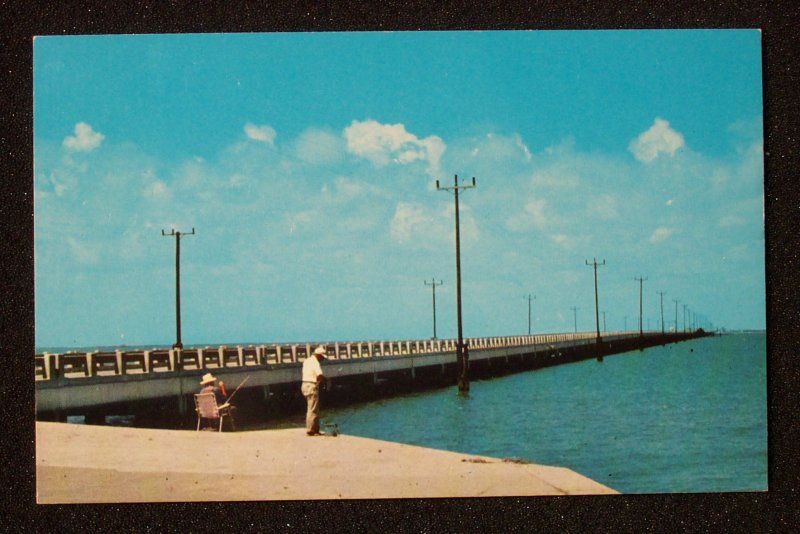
[385, 143]
[658, 139]
[660, 234]
[264, 133]
[84, 140]
[319, 147]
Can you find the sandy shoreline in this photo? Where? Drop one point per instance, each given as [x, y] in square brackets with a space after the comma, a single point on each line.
[100, 464]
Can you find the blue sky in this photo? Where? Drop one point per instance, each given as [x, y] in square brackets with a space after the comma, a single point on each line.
[306, 163]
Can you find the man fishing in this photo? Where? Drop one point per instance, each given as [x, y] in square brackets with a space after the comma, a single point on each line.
[312, 380]
[208, 385]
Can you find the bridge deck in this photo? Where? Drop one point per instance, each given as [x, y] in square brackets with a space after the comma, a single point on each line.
[85, 380]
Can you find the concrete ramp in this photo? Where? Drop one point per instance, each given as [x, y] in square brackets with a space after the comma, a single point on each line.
[99, 464]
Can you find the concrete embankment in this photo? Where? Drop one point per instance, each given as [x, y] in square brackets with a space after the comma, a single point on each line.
[94, 464]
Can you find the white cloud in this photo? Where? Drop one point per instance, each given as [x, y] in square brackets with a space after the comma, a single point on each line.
[531, 215]
[83, 252]
[385, 143]
[658, 139]
[415, 224]
[560, 239]
[731, 220]
[409, 220]
[660, 234]
[319, 147]
[604, 206]
[84, 140]
[555, 178]
[263, 133]
[157, 189]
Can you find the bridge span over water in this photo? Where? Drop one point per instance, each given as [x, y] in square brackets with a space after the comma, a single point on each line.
[83, 382]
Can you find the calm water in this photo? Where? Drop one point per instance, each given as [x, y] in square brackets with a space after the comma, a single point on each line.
[688, 417]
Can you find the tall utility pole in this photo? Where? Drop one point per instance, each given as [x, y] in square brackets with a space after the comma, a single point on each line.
[662, 310]
[178, 344]
[676, 314]
[433, 285]
[641, 281]
[684, 317]
[604, 321]
[529, 298]
[575, 317]
[596, 309]
[462, 357]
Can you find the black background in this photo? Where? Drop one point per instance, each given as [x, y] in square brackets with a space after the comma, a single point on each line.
[774, 510]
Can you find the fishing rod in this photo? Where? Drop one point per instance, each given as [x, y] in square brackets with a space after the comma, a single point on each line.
[237, 389]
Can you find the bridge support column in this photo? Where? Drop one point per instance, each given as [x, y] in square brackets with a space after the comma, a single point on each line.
[182, 405]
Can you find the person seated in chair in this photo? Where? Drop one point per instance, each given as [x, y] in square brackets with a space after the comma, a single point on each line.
[208, 384]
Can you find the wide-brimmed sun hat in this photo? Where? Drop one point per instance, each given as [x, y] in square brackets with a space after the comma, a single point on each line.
[207, 379]
[321, 351]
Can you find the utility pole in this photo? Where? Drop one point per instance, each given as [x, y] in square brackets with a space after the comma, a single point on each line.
[529, 298]
[641, 281]
[662, 310]
[575, 317]
[676, 314]
[178, 344]
[596, 309]
[462, 355]
[433, 285]
[684, 317]
[604, 321]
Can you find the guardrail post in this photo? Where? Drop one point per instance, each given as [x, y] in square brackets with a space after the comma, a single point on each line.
[278, 354]
[172, 359]
[308, 350]
[118, 354]
[370, 349]
[294, 353]
[336, 349]
[240, 355]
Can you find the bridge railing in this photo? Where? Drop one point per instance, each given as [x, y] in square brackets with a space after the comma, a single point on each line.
[86, 364]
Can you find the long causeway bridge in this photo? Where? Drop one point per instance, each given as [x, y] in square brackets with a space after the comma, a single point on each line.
[80, 383]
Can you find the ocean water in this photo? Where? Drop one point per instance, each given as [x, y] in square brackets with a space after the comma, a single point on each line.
[686, 417]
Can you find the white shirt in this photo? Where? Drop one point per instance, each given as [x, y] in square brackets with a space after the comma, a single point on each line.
[311, 369]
